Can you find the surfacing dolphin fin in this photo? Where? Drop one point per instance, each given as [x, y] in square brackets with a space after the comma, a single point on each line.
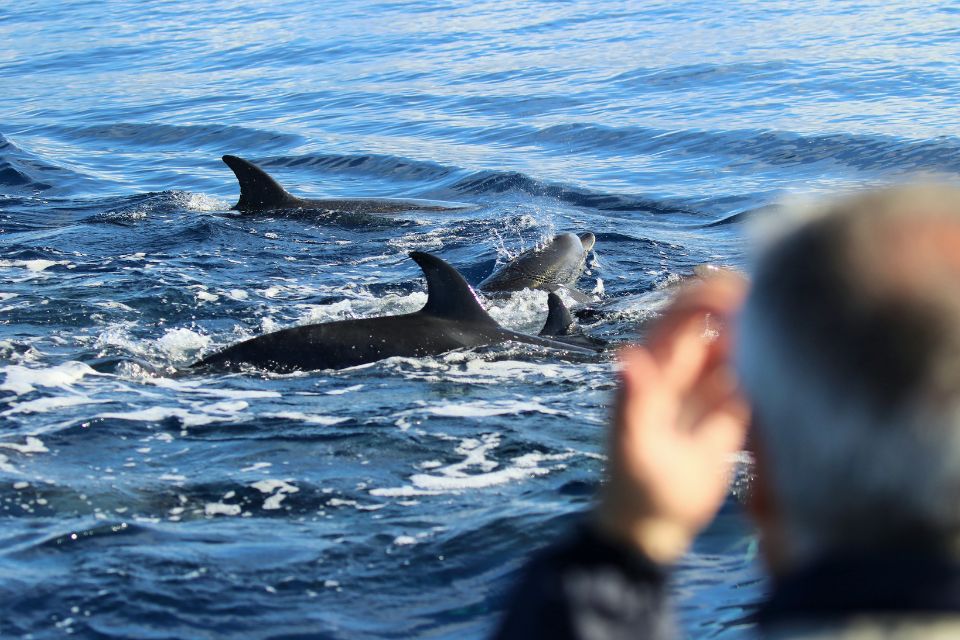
[560, 326]
[260, 192]
[257, 189]
[559, 321]
[448, 294]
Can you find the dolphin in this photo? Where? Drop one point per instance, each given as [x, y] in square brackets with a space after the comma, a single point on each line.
[260, 192]
[555, 265]
[561, 326]
[451, 319]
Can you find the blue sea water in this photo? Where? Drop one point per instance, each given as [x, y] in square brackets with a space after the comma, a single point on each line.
[400, 499]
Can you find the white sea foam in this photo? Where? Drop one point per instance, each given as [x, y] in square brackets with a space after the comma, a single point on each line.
[339, 392]
[523, 467]
[363, 305]
[189, 418]
[465, 366]
[202, 202]
[270, 485]
[36, 266]
[44, 405]
[112, 304]
[237, 294]
[526, 309]
[6, 467]
[21, 379]
[279, 489]
[31, 444]
[179, 344]
[476, 470]
[221, 509]
[268, 324]
[480, 408]
[198, 387]
[325, 421]
[290, 289]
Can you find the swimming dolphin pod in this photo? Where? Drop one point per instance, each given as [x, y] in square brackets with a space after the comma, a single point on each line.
[553, 266]
[451, 319]
[260, 192]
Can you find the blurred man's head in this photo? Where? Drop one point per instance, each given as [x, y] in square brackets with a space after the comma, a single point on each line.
[849, 352]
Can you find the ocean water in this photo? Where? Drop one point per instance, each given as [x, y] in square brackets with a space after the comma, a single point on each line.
[396, 500]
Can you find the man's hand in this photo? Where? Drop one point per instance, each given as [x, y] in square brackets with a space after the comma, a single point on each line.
[676, 425]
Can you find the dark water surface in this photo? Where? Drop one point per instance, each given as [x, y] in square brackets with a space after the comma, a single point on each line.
[394, 500]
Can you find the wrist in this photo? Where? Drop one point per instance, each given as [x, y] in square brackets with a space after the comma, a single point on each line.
[660, 539]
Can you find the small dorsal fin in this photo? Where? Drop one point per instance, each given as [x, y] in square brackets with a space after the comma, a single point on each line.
[448, 294]
[258, 190]
[559, 321]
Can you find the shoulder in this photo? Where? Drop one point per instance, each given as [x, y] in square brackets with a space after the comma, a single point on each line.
[585, 586]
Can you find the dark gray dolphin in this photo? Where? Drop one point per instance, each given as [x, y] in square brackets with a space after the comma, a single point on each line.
[561, 326]
[260, 192]
[557, 264]
[451, 319]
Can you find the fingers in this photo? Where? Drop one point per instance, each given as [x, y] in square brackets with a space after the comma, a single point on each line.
[677, 339]
[639, 381]
[719, 295]
[644, 408]
[720, 426]
[685, 372]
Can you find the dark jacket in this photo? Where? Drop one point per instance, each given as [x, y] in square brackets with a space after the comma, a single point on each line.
[587, 587]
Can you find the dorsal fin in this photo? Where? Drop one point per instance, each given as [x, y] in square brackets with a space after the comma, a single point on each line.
[448, 294]
[258, 190]
[559, 319]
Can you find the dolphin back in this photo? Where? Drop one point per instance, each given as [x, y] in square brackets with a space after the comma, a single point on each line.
[559, 263]
[260, 192]
[452, 318]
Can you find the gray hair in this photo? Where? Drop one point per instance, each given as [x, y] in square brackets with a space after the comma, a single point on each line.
[849, 352]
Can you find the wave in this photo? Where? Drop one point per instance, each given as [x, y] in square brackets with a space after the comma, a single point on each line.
[498, 182]
[222, 137]
[394, 167]
[23, 172]
[864, 152]
[17, 170]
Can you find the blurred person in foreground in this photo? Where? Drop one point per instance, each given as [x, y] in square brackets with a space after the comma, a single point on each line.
[846, 350]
